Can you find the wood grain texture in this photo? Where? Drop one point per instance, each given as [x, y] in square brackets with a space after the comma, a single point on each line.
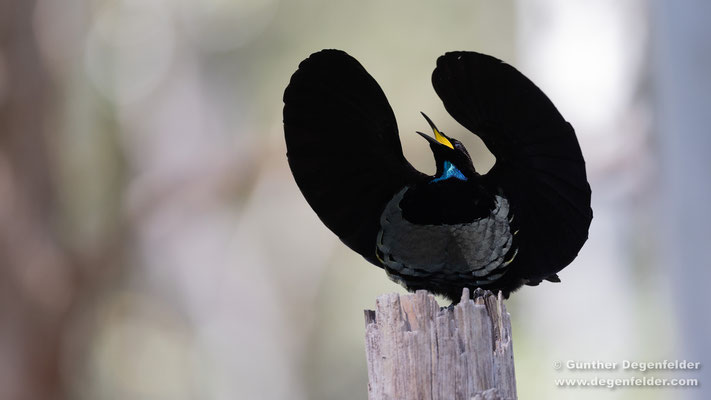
[417, 350]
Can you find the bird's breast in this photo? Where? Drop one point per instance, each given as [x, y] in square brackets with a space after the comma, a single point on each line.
[447, 202]
[478, 250]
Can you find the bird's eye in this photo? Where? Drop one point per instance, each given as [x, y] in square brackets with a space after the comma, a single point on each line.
[460, 147]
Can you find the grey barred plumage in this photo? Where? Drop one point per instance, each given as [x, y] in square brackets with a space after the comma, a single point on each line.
[475, 250]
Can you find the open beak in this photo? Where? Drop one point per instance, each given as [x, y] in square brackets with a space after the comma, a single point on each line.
[439, 136]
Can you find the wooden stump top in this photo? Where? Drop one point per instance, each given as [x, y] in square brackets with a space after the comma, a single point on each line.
[417, 350]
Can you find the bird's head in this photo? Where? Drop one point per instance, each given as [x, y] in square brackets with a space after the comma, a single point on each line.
[451, 157]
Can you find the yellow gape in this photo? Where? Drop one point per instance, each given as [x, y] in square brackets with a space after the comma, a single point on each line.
[440, 138]
[438, 135]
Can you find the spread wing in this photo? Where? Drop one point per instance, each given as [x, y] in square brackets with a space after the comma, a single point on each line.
[343, 146]
[539, 164]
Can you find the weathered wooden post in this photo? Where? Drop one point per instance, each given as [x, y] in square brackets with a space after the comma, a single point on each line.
[417, 350]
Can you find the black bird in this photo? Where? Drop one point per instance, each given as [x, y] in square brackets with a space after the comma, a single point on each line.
[520, 223]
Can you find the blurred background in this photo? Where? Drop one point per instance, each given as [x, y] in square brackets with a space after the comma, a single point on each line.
[153, 244]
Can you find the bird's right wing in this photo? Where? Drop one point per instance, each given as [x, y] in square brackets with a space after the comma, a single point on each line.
[343, 146]
[539, 163]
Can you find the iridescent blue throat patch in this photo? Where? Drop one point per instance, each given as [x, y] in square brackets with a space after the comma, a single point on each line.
[450, 171]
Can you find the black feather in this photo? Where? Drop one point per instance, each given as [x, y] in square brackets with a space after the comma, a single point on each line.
[539, 164]
[343, 146]
[344, 150]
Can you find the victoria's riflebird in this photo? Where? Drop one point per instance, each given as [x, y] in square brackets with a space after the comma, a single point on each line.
[520, 223]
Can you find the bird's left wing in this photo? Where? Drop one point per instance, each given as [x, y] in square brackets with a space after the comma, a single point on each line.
[539, 164]
[343, 146]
